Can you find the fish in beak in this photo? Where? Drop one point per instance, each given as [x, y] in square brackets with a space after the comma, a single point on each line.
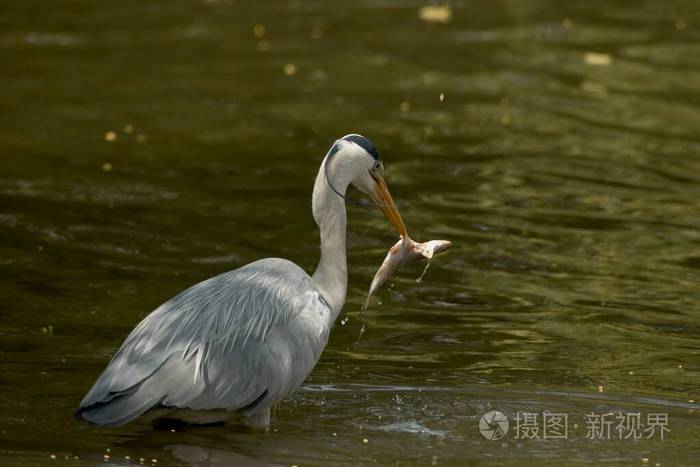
[401, 253]
[383, 199]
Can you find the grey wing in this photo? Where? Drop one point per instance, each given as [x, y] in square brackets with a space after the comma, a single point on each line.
[240, 340]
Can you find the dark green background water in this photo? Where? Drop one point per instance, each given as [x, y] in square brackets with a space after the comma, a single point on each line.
[569, 183]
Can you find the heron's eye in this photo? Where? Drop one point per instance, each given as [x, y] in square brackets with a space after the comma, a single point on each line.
[377, 167]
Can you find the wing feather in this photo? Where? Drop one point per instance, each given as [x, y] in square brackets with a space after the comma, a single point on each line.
[208, 347]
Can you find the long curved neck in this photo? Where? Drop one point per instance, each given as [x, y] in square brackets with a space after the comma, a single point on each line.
[328, 207]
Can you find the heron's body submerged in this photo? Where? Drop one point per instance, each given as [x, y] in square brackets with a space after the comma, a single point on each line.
[239, 342]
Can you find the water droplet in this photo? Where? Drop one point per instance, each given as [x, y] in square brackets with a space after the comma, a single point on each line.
[420, 278]
[259, 30]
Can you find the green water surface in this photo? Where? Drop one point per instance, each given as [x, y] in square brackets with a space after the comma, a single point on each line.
[148, 145]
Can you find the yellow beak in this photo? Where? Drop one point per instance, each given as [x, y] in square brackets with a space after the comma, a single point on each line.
[383, 198]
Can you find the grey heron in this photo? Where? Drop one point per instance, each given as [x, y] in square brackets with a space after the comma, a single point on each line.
[239, 342]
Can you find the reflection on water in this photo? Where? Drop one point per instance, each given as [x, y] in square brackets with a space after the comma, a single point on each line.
[149, 146]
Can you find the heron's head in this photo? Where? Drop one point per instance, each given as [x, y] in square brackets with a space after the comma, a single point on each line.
[358, 156]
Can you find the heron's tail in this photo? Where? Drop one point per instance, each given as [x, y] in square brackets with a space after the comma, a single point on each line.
[119, 410]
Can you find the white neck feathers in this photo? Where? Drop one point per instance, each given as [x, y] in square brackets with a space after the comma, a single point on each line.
[328, 207]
